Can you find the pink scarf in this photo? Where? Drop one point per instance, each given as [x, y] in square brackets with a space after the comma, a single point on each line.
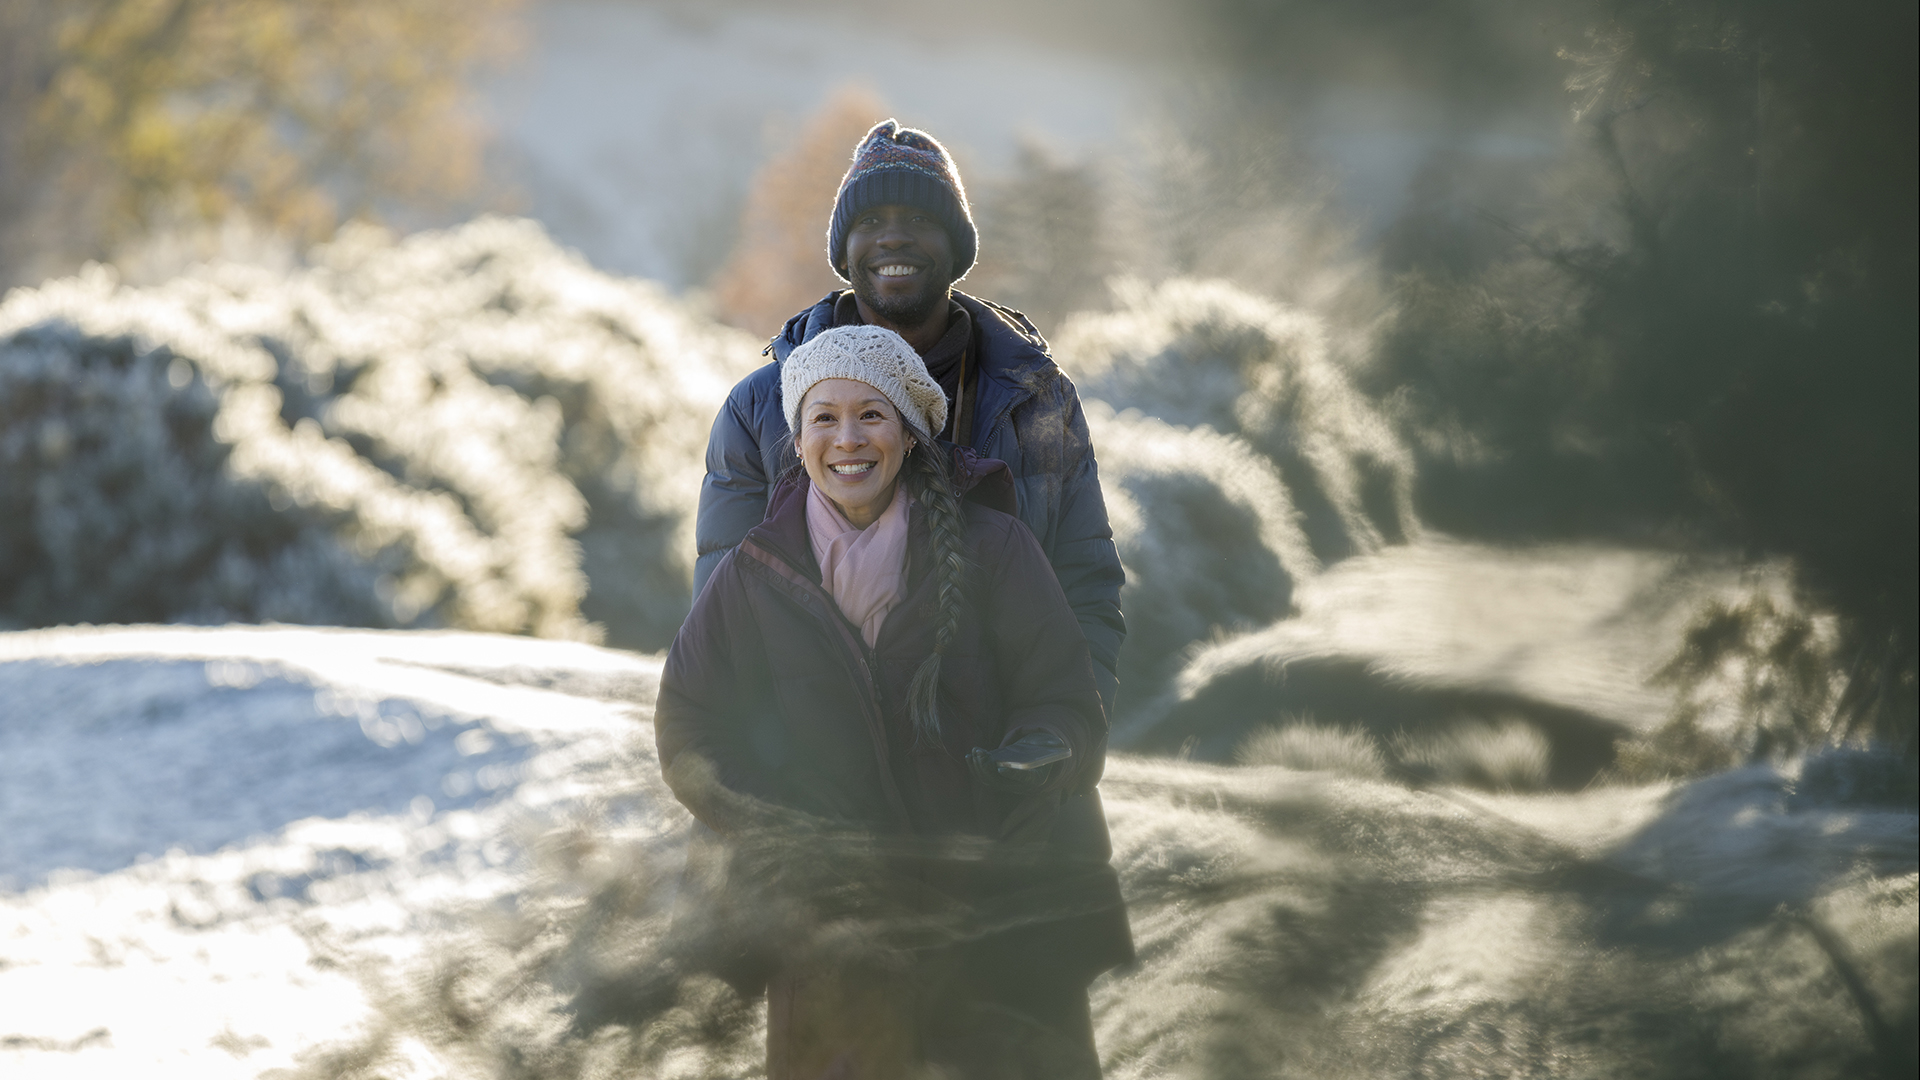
[864, 570]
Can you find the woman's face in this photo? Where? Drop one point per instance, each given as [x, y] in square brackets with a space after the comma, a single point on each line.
[853, 444]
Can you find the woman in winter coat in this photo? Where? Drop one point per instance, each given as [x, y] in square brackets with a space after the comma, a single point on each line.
[883, 695]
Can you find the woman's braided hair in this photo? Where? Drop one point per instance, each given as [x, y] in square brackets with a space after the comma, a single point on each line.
[929, 479]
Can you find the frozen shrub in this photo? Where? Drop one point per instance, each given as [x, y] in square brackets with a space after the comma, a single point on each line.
[1510, 755]
[117, 504]
[1206, 531]
[1507, 756]
[631, 377]
[1314, 747]
[1204, 352]
[468, 428]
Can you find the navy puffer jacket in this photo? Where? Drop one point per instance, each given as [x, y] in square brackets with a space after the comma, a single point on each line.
[1026, 413]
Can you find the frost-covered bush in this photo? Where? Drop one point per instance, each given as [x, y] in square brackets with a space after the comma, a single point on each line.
[1507, 755]
[1312, 747]
[467, 428]
[1206, 531]
[118, 503]
[1205, 352]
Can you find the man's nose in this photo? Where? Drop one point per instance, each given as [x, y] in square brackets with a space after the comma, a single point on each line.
[894, 234]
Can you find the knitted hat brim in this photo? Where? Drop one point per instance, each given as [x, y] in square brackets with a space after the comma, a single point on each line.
[903, 166]
[870, 354]
[903, 187]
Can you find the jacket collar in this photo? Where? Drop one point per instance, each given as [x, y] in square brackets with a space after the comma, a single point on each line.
[803, 326]
[784, 530]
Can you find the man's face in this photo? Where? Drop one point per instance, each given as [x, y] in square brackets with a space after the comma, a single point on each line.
[900, 263]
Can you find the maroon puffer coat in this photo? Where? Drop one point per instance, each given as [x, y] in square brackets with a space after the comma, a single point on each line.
[770, 685]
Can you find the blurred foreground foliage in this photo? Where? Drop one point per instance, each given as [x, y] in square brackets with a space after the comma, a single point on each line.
[120, 116]
[1289, 924]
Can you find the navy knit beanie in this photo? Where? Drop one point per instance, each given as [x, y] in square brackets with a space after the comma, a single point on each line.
[903, 166]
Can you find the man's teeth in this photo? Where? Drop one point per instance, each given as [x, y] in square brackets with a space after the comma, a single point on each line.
[897, 271]
[850, 470]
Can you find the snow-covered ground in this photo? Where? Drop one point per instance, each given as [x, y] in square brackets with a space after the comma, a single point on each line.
[1440, 633]
[205, 832]
[229, 849]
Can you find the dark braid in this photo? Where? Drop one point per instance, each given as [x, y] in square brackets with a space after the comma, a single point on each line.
[930, 480]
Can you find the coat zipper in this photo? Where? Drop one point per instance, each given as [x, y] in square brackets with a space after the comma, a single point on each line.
[1021, 396]
[876, 723]
[998, 423]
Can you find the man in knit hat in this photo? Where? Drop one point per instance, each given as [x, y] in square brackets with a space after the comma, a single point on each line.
[901, 235]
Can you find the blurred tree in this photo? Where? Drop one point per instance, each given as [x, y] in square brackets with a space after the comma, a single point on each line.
[779, 264]
[120, 115]
[1705, 323]
[1043, 243]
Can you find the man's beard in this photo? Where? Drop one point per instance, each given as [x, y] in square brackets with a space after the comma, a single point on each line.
[908, 310]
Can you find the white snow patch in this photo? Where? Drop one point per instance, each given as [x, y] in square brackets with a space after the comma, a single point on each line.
[206, 832]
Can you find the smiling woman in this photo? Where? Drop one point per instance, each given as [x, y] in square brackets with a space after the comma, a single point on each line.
[852, 443]
[826, 713]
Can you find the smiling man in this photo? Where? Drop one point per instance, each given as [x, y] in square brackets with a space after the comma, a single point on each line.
[901, 235]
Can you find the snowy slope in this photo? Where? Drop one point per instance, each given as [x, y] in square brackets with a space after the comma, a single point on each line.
[296, 852]
[192, 820]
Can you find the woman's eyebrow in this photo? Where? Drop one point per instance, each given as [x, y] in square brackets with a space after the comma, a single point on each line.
[818, 404]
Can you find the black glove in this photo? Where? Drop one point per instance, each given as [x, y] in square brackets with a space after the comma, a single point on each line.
[1024, 765]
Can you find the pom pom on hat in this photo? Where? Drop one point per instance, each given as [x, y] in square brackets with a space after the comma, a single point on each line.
[874, 355]
[907, 167]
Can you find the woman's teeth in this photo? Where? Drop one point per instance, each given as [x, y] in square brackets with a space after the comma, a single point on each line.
[852, 470]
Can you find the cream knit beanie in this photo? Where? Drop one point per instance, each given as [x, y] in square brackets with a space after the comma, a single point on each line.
[875, 356]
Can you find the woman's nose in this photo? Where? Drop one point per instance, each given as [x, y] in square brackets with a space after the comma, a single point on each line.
[849, 434]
